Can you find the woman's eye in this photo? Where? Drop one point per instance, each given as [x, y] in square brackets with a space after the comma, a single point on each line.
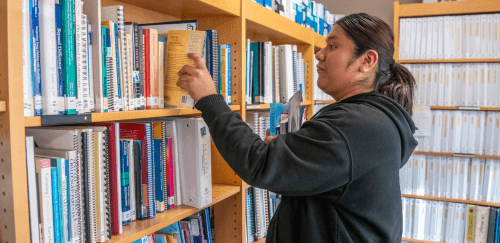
[331, 46]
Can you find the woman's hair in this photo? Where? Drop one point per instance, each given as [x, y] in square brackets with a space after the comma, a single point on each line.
[371, 33]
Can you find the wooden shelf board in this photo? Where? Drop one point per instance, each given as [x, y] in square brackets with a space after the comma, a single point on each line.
[465, 108]
[319, 41]
[261, 240]
[265, 25]
[3, 106]
[190, 9]
[453, 200]
[141, 228]
[325, 101]
[448, 61]
[478, 156]
[449, 8]
[422, 241]
[35, 121]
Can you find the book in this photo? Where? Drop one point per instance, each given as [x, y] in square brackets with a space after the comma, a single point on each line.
[179, 44]
[34, 209]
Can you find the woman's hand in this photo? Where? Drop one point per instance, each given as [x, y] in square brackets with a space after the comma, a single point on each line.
[269, 138]
[196, 80]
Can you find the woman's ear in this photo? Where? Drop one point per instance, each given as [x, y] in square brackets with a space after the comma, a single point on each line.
[370, 59]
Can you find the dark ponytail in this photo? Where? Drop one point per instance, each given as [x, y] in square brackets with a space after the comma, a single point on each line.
[371, 33]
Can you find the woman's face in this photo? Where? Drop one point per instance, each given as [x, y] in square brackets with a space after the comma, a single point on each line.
[336, 74]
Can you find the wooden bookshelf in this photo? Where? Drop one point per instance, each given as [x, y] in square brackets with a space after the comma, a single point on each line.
[263, 24]
[189, 9]
[422, 241]
[324, 101]
[447, 61]
[482, 203]
[477, 156]
[448, 8]
[319, 42]
[465, 108]
[261, 240]
[235, 21]
[141, 228]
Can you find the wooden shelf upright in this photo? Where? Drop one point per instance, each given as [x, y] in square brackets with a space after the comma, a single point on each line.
[235, 21]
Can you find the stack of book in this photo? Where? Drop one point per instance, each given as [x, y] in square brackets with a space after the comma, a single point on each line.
[195, 228]
[92, 180]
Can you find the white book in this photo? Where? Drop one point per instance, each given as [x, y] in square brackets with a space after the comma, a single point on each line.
[470, 36]
[448, 176]
[430, 35]
[447, 37]
[423, 45]
[441, 221]
[423, 85]
[48, 57]
[32, 190]
[452, 120]
[464, 144]
[419, 219]
[463, 178]
[496, 137]
[408, 30]
[457, 118]
[415, 72]
[100, 187]
[428, 223]
[428, 84]
[411, 217]
[475, 179]
[84, 59]
[437, 176]
[456, 26]
[476, 36]
[496, 197]
[45, 198]
[476, 82]
[483, 84]
[286, 73]
[268, 79]
[493, 85]
[402, 39]
[451, 218]
[434, 84]
[456, 77]
[429, 141]
[438, 131]
[434, 224]
[90, 71]
[413, 37]
[441, 84]
[446, 131]
[130, 72]
[429, 178]
[404, 206]
[480, 129]
[494, 182]
[487, 193]
[465, 35]
[418, 39]
[488, 133]
[409, 175]
[463, 221]
[496, 37]
[122, 55]
[467, 89]
[483, 35]
[489, 35]
[440, 39]
[402, 177]
[27, 81]
[420, 167]
[472, 132]
[455, 180]
[196, 162]
[448, 84]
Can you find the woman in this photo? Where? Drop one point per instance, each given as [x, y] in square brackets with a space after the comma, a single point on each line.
[339, 174]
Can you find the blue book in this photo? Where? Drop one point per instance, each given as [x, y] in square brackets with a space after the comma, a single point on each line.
[255, 72]
[68, 216]
[151, 170]
[55, 206]
[159, 182]
[261, 2]
[206, 213]
[220, 74]
[208, 51]
[228, 46]
[60, 80]
[125, 181]
[117, 66]
[275, 116]
[37, 69]
[268, 4]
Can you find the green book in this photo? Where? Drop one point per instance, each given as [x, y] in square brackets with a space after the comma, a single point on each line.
[68, 56]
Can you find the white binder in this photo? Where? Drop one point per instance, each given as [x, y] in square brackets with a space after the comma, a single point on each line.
[472, 132]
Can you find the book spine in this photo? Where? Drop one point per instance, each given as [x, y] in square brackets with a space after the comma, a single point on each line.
[85, 64]
[37, 81]
[131, 101]
[105, 70]
[60, 79]
[125, 187]
[48, 57]
[84, 187]
[141, 59]
[107, 201]
[138, 179]
[170, 176]
[150, 168]
[137, 88]
[165, 162]
[46, 198]
[153, 38]
[147, 68]
[27, 59]
[63, 197]
[78, 56]
[55, 206]
[90, 67]
[110, 73]
[159, 177]
[117, 88]
[228, 46]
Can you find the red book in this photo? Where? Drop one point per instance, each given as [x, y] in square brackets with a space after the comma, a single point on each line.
[113, 175]
[137, 131]
[170, 173]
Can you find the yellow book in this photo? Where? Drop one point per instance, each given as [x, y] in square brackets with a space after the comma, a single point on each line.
[179, 44]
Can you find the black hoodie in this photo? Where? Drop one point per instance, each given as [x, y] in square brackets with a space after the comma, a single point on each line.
[338, 175]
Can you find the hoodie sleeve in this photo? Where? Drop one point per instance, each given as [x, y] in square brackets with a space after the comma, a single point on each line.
[313, 160]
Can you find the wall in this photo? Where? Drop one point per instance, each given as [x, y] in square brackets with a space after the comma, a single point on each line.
[383, 9]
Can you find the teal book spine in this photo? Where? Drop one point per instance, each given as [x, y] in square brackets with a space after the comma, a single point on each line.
[104, 69]
[68, 56]
[254, 47]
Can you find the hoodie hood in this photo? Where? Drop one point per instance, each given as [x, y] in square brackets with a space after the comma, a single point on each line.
[401, 119]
